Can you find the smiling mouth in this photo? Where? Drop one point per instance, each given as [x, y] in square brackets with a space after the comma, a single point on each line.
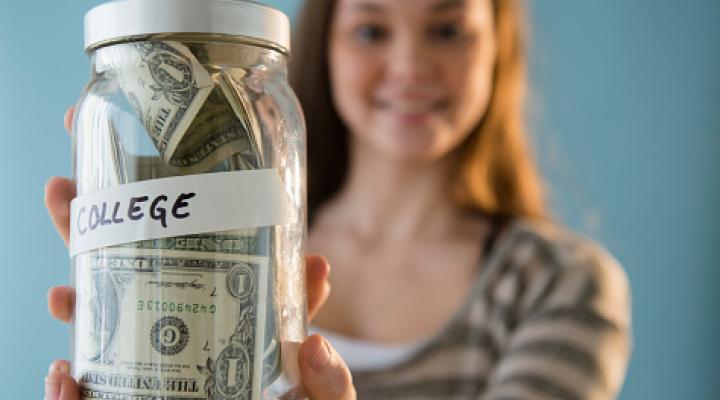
[411, 108]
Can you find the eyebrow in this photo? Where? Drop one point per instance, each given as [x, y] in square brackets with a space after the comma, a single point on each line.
[373, 7]
[447, 4]
[368, 7]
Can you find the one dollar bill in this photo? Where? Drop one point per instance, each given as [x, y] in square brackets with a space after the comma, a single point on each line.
[163, 82]
[181, 324]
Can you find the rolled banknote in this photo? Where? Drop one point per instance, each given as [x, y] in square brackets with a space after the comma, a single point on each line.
[163, 82]
[216, 134]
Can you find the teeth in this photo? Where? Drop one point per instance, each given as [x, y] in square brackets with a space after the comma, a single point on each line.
[412, 106]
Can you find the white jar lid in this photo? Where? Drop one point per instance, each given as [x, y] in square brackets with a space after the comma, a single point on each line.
[122, 18]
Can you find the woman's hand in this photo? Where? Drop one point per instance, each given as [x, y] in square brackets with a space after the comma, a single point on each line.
[324, 374]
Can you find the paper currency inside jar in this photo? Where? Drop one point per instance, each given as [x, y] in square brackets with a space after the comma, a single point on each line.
[212, 314]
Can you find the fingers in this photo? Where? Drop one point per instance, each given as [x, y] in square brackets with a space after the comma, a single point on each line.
[59, 192]
[317, 270]
[59, 384]
[324, 374]
[67, 120]
[61, 302]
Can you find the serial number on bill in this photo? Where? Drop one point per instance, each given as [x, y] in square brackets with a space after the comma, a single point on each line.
[168, 306]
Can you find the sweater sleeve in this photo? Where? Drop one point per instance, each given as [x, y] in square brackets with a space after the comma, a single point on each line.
[568, 326]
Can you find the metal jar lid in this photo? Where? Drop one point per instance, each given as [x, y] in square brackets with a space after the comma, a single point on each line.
[124, 18]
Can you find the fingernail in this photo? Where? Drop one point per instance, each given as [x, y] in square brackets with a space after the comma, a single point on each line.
[321, 358]
[60, 367]
[52, 388]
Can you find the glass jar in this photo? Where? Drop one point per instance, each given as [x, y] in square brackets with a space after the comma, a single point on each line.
[187, 232]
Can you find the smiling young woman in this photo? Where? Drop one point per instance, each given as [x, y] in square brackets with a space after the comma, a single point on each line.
[449, 280]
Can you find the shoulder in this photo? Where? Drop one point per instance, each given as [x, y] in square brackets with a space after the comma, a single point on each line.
[552, 267]
[527, 242]
[562, 247]
[557, 307]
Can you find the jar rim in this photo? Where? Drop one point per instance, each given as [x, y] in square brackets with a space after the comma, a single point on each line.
[185, 37]
[118, 20]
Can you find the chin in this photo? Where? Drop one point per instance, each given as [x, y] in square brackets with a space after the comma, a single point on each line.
[411, 146]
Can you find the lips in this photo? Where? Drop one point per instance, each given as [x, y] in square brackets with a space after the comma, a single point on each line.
[413, 107]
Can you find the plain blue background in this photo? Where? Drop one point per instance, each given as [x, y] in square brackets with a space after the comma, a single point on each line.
[625, 114]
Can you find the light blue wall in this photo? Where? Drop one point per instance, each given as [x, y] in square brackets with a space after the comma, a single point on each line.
[627, 122]
[629, 112]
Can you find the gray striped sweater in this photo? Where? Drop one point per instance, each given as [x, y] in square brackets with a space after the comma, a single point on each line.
[547, 318]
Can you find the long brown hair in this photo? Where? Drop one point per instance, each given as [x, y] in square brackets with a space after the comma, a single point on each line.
[497, 175]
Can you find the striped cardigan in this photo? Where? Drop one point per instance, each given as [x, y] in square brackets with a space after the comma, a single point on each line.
[547, 318]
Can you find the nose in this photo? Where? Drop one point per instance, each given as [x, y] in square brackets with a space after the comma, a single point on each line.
[409, 61]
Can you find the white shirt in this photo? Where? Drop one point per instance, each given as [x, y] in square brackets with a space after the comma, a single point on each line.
[361, 354]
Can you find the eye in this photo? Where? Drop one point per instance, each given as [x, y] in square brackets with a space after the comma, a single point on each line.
[370, 33]
[447, 32]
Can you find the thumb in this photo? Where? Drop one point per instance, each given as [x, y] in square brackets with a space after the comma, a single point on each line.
[59, 384]
[324, 374]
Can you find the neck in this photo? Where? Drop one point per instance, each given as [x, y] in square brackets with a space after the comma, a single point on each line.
[387, 199]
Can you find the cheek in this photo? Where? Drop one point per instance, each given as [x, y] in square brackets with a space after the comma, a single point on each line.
[470, 82]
